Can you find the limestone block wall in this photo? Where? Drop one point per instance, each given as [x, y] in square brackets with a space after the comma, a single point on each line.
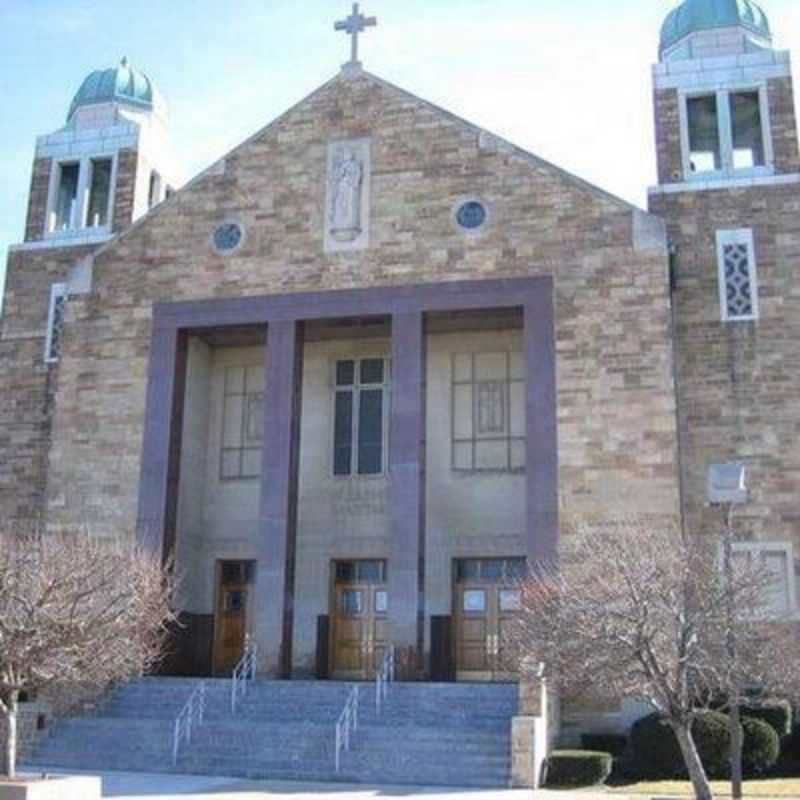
[738, 382]
[37, 199]
[616, 406]
[27, 384]
[126, 189]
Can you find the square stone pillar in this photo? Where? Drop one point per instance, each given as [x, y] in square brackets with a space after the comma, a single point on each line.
[156, 524]
[275, 577]
[406, 565]
[541, 471]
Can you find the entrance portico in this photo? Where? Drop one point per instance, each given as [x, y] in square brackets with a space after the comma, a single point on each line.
[285, 318]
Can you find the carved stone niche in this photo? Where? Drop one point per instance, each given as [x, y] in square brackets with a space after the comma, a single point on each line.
[347, 202]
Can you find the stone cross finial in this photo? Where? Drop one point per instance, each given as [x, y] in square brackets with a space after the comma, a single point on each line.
[355, 24]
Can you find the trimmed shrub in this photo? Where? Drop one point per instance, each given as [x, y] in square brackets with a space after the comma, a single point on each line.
[577, 768]
[761, 747]
[656, 753]
[614, 743]
[778, 715]
[789, 761]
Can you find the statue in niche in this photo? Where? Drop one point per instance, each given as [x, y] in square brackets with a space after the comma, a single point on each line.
[347, 179]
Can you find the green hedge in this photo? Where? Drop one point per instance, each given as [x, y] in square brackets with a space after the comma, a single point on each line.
[577, 768]
[777, 714]
[761, 747]
[613, 743]
[656, 753]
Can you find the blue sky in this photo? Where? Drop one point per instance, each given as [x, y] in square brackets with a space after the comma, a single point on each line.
[569, 81]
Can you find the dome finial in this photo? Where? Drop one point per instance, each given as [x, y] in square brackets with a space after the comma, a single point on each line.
[124, 62]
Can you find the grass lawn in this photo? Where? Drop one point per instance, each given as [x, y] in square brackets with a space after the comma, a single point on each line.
[774, 787]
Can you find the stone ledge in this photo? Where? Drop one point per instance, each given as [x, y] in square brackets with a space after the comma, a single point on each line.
[67, 787]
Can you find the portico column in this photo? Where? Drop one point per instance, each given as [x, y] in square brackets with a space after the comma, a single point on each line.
[406, 565]
[161, 447]
[541, 429]
[278, 510]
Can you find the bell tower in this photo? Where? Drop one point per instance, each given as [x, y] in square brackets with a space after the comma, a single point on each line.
[107, 166]
[724, 104]
[92, 178]
[729, 189]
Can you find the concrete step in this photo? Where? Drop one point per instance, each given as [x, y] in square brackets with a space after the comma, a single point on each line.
[437, 734]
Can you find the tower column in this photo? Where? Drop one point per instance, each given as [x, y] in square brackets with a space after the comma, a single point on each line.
[407, 492]
[278, 510]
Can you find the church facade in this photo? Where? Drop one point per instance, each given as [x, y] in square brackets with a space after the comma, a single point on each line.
[362, 371]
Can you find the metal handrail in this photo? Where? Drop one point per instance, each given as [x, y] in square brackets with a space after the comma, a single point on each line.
[348, 720]
[192, 714]
[243, 672]
[384, 676]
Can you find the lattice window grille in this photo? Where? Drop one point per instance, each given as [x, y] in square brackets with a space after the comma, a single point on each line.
[737, 275]
[55, 322]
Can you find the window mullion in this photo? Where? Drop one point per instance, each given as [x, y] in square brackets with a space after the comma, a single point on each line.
[725, 130]
[81, 205]
[355, 452]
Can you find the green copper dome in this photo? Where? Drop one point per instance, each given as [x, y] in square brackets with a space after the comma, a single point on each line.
[120, 84]
[700, 15]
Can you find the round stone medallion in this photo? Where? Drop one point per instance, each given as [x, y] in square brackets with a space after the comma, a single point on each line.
[471, 215]
[228, 237]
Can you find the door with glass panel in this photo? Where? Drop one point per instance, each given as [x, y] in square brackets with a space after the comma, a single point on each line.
[361, 605]
[234, 579]
[487, 598]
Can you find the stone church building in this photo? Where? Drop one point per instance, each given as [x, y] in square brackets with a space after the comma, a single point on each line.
[361, 371]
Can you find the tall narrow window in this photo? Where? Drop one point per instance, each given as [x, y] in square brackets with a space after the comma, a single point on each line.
[360, 416]
[777, 563]
[738, 277]
[66, 205]
[746, 130]
[488, 412]
[55, 322]
[242, 423]
[99, 193]
[704, 145]
[154, 196]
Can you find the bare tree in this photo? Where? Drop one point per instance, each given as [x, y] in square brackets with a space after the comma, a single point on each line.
[75, 613]
[638, 610]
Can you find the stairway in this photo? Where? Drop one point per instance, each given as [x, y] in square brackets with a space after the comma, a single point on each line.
[428, 734]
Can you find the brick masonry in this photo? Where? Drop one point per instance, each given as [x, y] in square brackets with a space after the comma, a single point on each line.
[738, 382]
[616, 404]
[125, 190]
[37, 200]
[28, 383]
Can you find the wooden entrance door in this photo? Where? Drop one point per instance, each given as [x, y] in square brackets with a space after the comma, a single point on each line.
[231, 623]
[361, 605]
[485, 603]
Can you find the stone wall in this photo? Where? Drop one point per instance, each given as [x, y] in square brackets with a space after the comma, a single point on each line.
[125, 189]
[668, 135]
[738, 382]
[27, 382]
[36, 221]
[616, 406]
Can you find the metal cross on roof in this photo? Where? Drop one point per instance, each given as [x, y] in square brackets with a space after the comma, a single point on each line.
[355, 24]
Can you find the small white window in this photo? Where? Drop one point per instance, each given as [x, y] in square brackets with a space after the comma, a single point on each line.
[65, 211]
[726, 134]
[55, 322]
[99, 192]
[154, 195]
[777, 558]
[738, 277]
